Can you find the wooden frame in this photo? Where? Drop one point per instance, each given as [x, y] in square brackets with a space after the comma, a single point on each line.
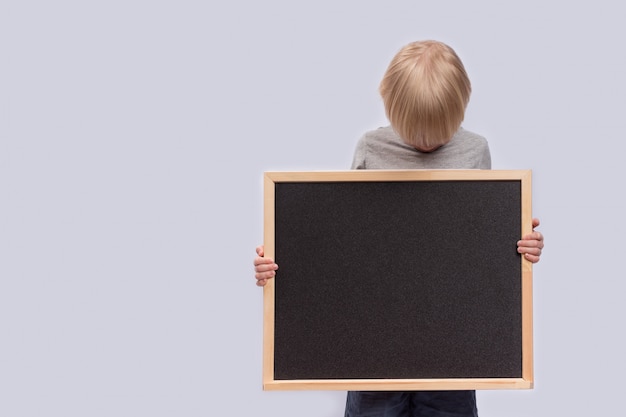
[272, 180]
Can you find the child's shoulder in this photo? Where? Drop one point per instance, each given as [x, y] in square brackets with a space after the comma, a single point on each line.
[385, 133]
[467, 139]
[467, 135]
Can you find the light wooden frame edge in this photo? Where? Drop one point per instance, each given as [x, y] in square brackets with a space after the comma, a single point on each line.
[527, 379]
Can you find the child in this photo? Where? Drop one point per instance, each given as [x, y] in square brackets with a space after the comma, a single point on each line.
[425, 91]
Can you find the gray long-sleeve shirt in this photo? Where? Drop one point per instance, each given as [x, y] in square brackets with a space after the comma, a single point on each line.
[384, 149]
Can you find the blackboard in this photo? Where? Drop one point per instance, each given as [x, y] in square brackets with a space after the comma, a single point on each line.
[397, 280]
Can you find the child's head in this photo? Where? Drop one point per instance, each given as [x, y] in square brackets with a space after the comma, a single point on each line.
[425, 91]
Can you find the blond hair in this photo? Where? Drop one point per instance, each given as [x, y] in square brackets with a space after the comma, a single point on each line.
[425, 90]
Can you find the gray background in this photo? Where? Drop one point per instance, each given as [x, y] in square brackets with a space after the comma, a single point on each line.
[133, 139]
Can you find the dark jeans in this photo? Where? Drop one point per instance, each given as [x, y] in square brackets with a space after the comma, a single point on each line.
[411, 404]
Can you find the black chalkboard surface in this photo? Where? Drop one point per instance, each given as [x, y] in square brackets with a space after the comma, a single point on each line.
[397, 280]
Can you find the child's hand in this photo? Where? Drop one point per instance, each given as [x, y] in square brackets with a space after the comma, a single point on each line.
[531, 245]
[264, 268]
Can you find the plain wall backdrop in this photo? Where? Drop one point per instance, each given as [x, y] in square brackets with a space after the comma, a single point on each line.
[133, 139]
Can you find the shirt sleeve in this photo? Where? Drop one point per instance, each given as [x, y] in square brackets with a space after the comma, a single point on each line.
[486, 158]
[360, 152]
